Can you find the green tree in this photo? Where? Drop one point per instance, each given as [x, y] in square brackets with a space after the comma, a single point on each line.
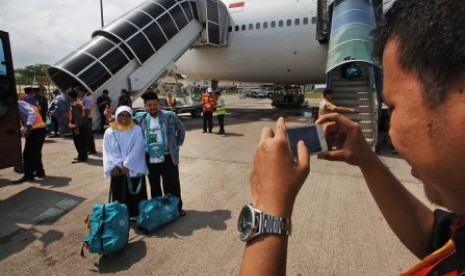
[26, 75]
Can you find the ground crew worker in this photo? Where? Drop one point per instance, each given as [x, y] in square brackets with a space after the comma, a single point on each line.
[88, 104]
[170, 102]
[33, 129]
[220, 111]
[327, 107]
[208, 106]
[77, 126]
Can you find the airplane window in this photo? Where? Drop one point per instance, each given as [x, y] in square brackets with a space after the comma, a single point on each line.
[244, 27]
[236, 28]
[229, 29]
[288, 22]
[314, 20]
[297, 21]
[281, 23]
[305, 21]
[250, 26]
[273, 24]
[257, 26]
[265, 25]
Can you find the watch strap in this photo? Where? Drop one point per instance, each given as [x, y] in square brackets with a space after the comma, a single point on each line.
[275, 225]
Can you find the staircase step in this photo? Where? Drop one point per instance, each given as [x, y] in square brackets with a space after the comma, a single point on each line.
[355, 88]
[351, 102]
[338, 83]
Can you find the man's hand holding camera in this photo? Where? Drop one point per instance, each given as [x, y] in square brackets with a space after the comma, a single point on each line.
[276, 177]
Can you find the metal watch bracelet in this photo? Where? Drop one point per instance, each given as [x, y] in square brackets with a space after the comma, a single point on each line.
[275, 225]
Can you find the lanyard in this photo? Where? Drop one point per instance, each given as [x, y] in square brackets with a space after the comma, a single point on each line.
[162, 129]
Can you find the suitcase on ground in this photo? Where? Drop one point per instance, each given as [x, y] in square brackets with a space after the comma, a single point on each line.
[108, 229]
[157, 212]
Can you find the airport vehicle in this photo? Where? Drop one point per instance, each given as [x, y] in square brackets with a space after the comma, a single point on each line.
[10, 145]
[289, 96]
[188, 100]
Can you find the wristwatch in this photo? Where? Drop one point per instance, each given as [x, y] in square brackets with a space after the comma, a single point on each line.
[253, 223]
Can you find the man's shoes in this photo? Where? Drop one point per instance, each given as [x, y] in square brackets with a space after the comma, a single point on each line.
[22, 179]
[204, 131]
[78, 161]
[92, 152]
[182, 213]
[40, 174]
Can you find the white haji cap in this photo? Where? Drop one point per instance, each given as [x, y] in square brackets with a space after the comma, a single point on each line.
[122, 109]
[209, 90]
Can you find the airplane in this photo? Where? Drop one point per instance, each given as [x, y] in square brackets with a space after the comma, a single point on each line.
[268, 41]
[272, 41]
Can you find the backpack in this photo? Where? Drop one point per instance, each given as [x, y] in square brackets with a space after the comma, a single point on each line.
[157, 212]
[108, 229]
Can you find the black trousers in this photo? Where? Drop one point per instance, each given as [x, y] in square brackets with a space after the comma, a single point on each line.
[55, 124]
[90, 141]
[80, 142]
[32, 152]
[221, 123]
[120, 192]
[103, 120]
[208, 121]
[169, 173]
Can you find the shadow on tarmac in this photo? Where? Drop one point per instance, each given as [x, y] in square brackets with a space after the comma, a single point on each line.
[33, 206]
[194, 220]
[124, 259]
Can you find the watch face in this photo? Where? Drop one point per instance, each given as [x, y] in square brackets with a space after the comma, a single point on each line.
[245, 223]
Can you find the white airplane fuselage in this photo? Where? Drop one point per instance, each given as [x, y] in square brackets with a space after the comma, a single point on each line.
[272, 53]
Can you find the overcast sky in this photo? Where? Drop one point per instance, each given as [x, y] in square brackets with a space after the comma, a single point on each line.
[45, 31]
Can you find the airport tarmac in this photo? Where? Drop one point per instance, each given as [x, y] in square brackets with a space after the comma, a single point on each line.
[337, 227]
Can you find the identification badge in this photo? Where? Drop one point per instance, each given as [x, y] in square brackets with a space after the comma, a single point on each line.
[156, 152]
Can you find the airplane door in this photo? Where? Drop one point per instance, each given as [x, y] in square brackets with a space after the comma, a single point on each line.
[10, 139]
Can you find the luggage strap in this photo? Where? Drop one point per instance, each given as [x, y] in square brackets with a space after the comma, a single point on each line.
[102, 228]
[131, 187]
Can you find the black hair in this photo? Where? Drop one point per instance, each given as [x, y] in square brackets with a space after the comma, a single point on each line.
[327, 91]
[431, 43]
[27, 90]
[73, 94]
[149, 95]
[105, 91]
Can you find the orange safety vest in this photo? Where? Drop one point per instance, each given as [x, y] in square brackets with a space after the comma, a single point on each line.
[38, 122]
[431, 261]
[208, 102]
[72, 122]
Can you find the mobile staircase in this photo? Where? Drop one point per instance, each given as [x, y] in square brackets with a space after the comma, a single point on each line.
[351, 24]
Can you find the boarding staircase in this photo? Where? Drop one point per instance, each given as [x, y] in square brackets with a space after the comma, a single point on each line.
[358, 93]
[351, 24]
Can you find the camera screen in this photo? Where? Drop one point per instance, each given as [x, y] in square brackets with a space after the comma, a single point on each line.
[308, 135]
